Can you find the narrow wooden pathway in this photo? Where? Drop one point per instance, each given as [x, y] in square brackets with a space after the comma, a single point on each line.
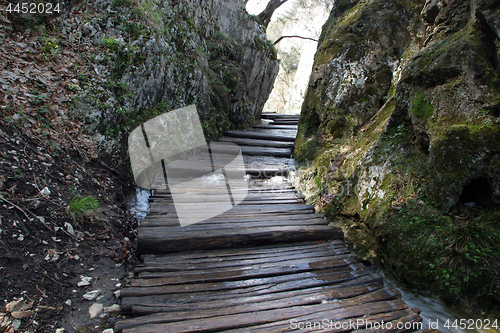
[269, 264]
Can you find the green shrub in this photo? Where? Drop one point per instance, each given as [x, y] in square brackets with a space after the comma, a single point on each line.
[111, 43]
[79, 205]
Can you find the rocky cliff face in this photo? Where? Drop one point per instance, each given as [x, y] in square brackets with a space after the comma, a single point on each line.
[399, 138]
[160, 55]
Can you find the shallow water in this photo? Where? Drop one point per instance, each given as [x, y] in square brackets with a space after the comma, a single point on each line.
[139, 205]
[436, 314]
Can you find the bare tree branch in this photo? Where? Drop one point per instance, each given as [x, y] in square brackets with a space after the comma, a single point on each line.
[265, 16]
[283, 37]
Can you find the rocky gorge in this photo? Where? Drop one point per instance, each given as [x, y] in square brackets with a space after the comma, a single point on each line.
[74, 83]
[399, 139]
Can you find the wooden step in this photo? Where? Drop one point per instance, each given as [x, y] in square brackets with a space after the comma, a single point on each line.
[263, 134]
[273, 116]
[265, 151]
[273, 126]
[177, 239]
[259, 143]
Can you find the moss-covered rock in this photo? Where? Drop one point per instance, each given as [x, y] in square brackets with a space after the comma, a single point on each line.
[176, 53]
[402, 138]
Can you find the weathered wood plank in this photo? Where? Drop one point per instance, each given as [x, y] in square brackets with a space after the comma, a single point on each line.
[258, 143]
[272, 126]
[273, 115]
[233, 224]
[155, 220]
[320, 278]
[156, 240]
[202, 264]
[237, 273]
[318, 323]
[334, 247]
[260, 293]
[161, 304]
[284, 122]
[293, 301]
[262, 317]
[264, 135]
[265, 151]
[158, 207]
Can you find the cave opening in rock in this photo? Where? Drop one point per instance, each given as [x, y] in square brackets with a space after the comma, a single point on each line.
[477, 193]
[495, 112]
[302, 21]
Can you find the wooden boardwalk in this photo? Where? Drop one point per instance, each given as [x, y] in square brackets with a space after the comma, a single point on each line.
[270, 264]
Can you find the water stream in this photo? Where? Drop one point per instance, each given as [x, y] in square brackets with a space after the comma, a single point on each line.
[436, 314]
[139, 205]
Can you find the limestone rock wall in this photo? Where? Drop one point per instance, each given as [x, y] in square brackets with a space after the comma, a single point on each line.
[399, 137]
[160, 55]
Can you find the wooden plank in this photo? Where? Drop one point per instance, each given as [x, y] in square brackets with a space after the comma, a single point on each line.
[345, 325]
[210, 264]
[165, 264]
[250, 252]
[272, 126]
[158, 207]
[145, 305]
[247, 201]
[267, 291]
[234, 273]
[269, 316]
[228, 224]
[323, 277]
[156, 240]
[265, 151]
[223, 310]
[228, 219]
[272, 116]
[262, 135]
[259, 143]
[284, 122]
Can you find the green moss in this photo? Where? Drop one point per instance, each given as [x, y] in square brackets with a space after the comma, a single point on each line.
[215, 123]
[455, 258]
[421, 108]
[124, 121]
[267, 46]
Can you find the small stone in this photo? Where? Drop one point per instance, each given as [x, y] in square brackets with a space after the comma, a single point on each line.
[109, 330]
[15, 305]
[85, 281]
[45, 192]
[60, 330]
[95, 310]
[118, 293]
[16, 324]
[113, 308]
[68, 302]
[90, 296]
[22, 314]
[70, 229]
